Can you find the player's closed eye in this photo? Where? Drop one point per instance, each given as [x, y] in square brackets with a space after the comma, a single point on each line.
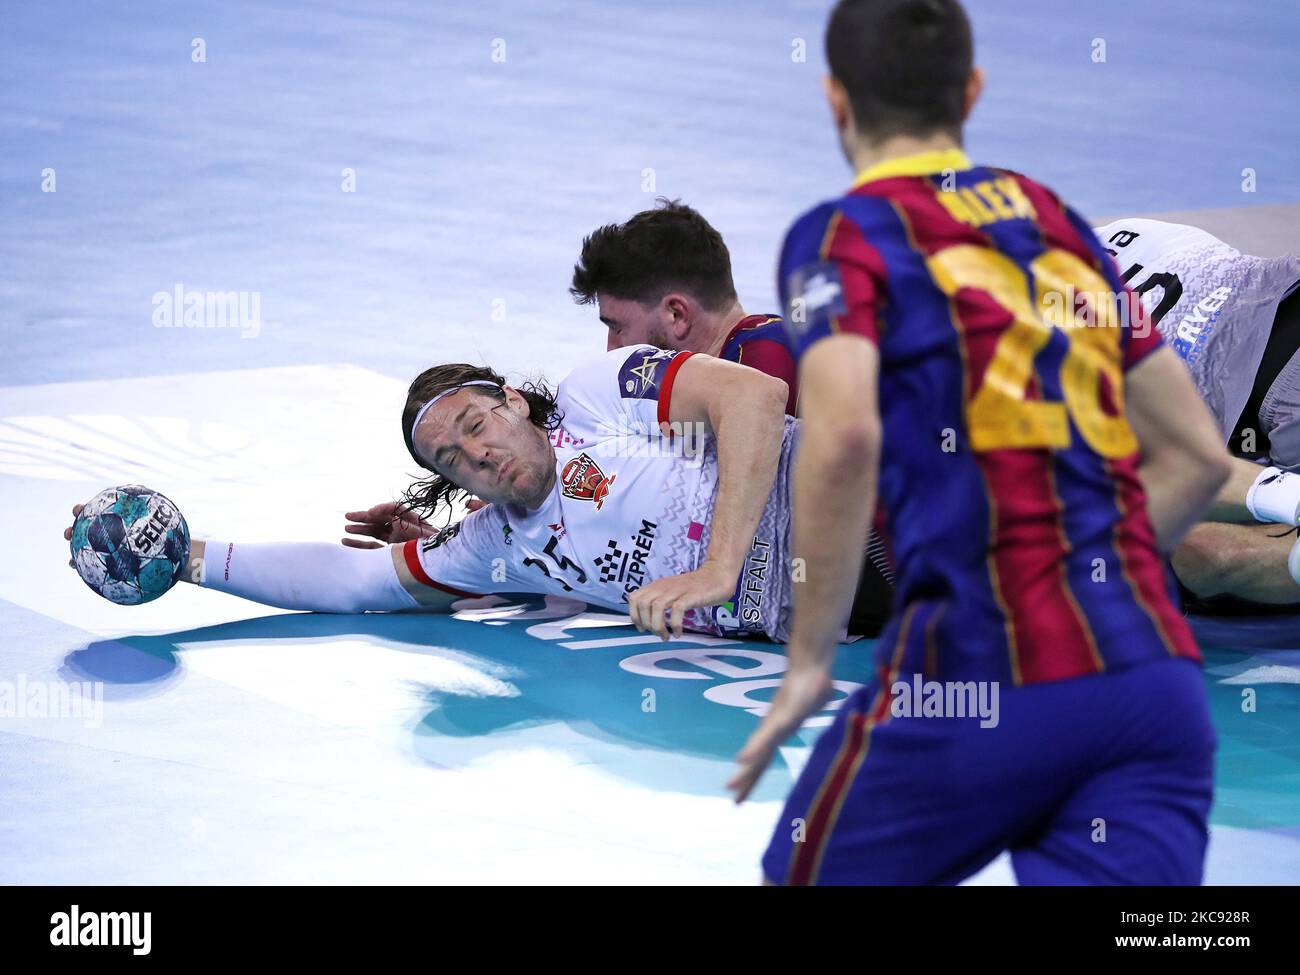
[454, 456]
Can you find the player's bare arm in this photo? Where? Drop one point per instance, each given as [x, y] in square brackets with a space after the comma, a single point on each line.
[312, 576]
[1184, 463]
[834, 498]
[1248, 562]
[744, 410]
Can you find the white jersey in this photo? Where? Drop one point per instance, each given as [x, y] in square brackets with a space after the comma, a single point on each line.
[1212, 304]
[630, 505]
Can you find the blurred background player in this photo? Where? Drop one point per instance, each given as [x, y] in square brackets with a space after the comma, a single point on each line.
[1234, 320]
[1032, 469]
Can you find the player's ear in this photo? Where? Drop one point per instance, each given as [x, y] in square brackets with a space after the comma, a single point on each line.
[838, 99]
[678, 314]
[974, 88]
[515, 401]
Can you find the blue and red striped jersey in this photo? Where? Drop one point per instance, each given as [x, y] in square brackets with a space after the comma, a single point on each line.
[760, 341]
[1009, 473]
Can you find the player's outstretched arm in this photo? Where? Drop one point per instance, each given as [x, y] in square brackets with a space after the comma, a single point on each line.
[313, 576]
[1184, 463]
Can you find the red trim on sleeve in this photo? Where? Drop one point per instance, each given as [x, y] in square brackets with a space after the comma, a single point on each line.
[666, 389]
[413, 563]
[859, 265]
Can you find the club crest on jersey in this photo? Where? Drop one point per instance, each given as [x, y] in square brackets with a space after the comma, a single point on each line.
[639, 378]
[583, 480]
[816, 293]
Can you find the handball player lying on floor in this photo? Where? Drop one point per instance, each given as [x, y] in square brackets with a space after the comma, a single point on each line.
[653, 481]
[1234, 319]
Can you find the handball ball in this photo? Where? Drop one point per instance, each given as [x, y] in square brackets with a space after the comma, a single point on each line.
[130, 544]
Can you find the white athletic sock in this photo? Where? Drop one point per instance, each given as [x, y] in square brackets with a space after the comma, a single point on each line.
[1293, 561]
[1275, 497]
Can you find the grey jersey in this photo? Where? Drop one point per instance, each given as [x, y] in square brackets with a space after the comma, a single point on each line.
[1212, 304]
[762, 600]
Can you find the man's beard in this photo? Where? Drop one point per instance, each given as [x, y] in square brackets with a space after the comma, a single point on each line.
[659, 339]
[528, 483]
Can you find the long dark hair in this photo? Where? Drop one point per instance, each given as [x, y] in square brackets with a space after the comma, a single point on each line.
[427, 495]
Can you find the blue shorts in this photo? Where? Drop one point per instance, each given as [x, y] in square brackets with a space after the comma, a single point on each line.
[1104, 779]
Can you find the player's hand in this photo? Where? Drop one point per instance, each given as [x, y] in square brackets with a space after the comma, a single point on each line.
[389, 522]
[67, 532]
[804, 689]
[661, 606]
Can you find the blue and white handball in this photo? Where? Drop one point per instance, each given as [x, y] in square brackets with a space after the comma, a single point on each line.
[130, 544]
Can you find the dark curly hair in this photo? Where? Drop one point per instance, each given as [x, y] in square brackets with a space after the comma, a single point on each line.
[427, 495]
[656, 251]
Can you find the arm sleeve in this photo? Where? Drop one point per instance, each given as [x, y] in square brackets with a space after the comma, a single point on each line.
[466, 559]
[830, 279]
[312, 576]
[632, 384]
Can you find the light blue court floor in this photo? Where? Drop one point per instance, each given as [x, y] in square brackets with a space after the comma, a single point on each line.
[523, 741]
[517, 741]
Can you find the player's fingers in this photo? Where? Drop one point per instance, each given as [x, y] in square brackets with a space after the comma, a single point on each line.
[67, 533]
[752, 760]
[746, 777]
[375, 531]
[677, 617]
[76, 509]
[664, 618]
[634, 609]
[650, 606]
[358, 543]
[762, 743]
[645, 614]
[655, 617]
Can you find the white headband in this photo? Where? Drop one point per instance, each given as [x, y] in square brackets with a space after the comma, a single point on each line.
[446, 392]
